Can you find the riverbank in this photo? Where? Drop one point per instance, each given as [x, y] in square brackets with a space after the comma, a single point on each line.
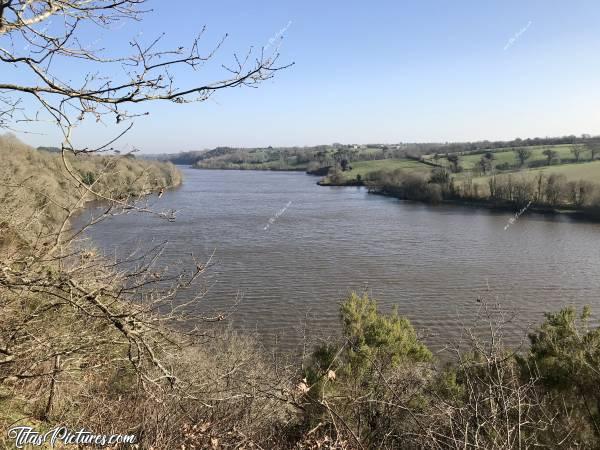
[69, 317]
[39, 192]
[565, 189]
[578, 214]
[591, 214]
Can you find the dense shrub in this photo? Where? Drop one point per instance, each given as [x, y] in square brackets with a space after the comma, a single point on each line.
[37, 186]
[405, 185]
[346, 379]
[378, 383]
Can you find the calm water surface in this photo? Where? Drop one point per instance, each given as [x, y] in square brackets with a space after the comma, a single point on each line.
[431, 262]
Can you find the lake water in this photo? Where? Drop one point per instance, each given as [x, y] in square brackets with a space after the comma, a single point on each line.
[291, 250]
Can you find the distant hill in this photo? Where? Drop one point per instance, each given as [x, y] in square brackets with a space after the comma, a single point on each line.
[182, 158]
[314, 157]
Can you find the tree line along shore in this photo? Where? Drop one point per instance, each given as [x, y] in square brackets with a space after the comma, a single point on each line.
[552, 175]
[36, 183]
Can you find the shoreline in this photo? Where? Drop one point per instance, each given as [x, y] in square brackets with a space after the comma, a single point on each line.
[248, 168]
[576, 214]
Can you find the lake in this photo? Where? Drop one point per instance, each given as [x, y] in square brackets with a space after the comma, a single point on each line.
[286, 251]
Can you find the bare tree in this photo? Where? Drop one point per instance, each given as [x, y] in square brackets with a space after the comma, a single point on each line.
[454, 161]
[68, 316]
[576, 150]
[36, 48]
[523, 154]
[486, 162]
[555, 189]
[550, 155]
[594, 147]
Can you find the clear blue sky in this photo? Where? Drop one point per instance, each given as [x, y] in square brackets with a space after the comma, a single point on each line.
[380, 71]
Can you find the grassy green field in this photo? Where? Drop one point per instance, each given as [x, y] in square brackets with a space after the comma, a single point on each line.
[266, 159]
[469, 162]
[589, 171]
[363, 168]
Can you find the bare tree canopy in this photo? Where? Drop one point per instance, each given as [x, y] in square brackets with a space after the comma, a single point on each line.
[68, 306]
[37, 38]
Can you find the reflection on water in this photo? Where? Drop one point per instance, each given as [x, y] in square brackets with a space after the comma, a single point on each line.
[432, 262]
